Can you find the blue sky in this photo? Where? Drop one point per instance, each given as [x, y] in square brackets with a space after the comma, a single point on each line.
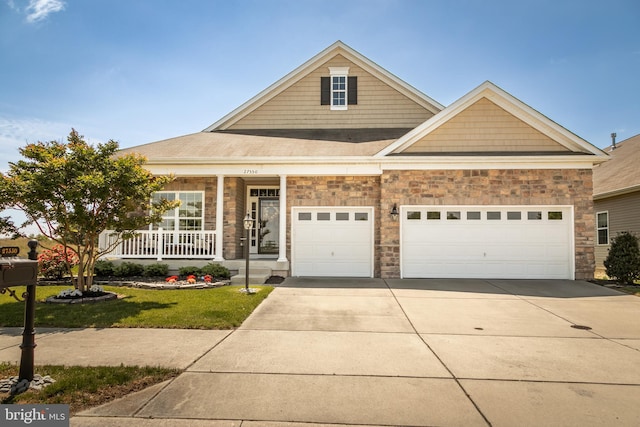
[139, 71]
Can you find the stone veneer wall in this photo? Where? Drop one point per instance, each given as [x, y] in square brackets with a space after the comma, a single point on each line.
[490, 187]
[335, 191]
[234, 211]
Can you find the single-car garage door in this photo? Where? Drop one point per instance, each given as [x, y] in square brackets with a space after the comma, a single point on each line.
[509, 242]
[332, 241]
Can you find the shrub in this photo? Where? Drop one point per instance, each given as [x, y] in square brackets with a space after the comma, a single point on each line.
[190, 270]
[155, 270]
[623, 261]
[55, 263]
[103, 268]
[215, 270]
[128, 269]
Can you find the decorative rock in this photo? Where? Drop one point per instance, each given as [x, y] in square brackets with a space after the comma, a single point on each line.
[14, 385]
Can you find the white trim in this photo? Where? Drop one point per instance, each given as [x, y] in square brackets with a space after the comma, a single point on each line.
[602, 228]
[282, 248]
[261, 167]
[509, 103]
[219, 219]
[338, 48]
[176, 211]
[338, 71]
[372, 219]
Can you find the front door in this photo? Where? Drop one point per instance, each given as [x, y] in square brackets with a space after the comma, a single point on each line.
[269, 228]
[263, 202]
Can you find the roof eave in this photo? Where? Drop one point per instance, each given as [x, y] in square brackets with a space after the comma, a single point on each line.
[618, 192]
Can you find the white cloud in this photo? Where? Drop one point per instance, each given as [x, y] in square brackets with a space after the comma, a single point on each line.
[18, 132]
[37, 10]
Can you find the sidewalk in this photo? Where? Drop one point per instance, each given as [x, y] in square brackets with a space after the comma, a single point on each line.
[171, 348]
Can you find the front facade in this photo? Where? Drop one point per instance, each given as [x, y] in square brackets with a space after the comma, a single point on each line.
[348, 171]
[616, 196]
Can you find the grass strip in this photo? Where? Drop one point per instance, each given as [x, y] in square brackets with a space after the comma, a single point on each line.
[85, 387]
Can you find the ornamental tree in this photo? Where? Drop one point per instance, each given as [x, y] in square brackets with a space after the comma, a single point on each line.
[73, 191]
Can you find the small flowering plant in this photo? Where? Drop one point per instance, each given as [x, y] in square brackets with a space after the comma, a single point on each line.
[69, 293]
[191, 278]
[171, 279]
[207, 278]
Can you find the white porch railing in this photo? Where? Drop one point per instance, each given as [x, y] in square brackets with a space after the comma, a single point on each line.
[159, 244]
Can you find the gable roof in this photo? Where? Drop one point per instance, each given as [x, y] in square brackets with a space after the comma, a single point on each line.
[567, 141]
[621, 174]
[337, 48]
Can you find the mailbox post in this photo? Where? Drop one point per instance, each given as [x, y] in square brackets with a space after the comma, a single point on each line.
[20, 272]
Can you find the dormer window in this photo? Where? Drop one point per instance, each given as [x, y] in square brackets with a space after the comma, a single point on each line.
[339, 90]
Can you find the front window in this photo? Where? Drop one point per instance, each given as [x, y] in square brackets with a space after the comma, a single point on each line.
[188, 216]
[603, 228]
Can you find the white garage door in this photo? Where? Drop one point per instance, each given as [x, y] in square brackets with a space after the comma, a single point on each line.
[509, 242]
[332, 241]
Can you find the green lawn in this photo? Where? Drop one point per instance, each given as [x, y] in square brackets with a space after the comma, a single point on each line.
[217, 308]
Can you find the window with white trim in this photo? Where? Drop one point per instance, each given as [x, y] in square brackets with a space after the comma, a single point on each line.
[602, 224]
[189, 215]
[339, 90]
[338, 87]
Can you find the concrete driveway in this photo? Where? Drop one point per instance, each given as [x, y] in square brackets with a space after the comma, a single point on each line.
[411, 353]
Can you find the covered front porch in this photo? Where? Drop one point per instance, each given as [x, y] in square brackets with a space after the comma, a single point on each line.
[208, 226]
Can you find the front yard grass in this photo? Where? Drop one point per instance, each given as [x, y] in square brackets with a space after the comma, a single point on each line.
[82, 387]
[217, 308]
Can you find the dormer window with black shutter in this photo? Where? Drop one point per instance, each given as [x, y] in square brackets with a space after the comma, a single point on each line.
[339, 90]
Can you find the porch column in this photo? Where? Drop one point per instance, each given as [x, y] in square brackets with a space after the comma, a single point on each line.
[219, 219]
[282, 252]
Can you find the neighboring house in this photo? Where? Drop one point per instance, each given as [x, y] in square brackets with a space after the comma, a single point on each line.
[616, 195]
[349, 171]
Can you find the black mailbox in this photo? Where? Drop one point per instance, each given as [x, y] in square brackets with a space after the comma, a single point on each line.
[21, 272]
[18, 272]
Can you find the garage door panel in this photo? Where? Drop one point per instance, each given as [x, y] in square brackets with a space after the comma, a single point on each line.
[331, 242]
[503, 248]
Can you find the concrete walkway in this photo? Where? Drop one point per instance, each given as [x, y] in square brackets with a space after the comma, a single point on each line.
[383, 352]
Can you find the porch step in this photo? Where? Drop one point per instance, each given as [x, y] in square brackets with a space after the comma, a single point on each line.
[257, 276]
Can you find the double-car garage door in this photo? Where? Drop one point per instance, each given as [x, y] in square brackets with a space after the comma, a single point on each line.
[438, 241]
[533, 242]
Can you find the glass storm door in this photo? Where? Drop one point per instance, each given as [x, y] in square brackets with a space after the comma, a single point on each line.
[269, 226]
